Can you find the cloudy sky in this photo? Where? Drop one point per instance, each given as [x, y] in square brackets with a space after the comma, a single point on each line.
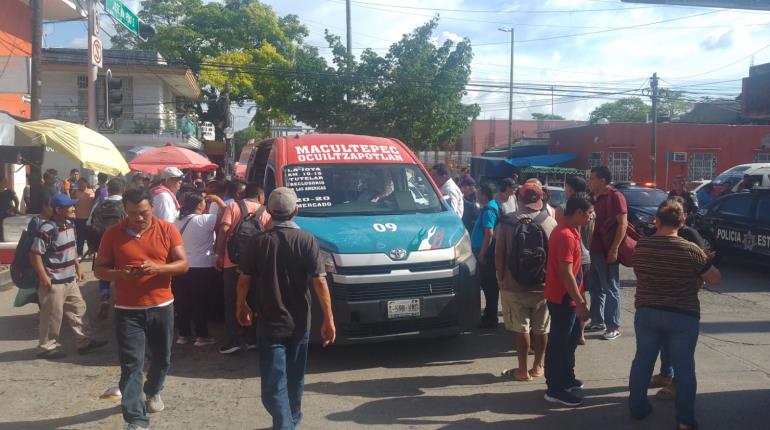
[590, 51]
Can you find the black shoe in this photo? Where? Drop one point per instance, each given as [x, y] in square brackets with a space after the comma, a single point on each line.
[577, 384]
[92, 345]
[643, 415]
[563, 397]
[229, 348]
[488, 324]
[54, 354]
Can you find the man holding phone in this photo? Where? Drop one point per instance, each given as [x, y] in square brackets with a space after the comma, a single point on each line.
[141, 254]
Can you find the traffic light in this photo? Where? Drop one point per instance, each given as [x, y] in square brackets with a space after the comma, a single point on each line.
[113, 97]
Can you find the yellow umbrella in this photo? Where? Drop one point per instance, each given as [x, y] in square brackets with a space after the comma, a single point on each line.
[85, 146]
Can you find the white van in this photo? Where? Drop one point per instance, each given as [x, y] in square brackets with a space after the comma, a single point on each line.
[732, 177]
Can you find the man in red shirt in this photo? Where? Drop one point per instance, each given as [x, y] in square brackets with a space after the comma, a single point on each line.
[609, 231]
[141, 254]
[566, 303]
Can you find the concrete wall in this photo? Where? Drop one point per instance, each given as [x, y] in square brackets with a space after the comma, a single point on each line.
[16, 41]
[731, 145]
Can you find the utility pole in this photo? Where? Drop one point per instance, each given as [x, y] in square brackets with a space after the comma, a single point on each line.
[510, 94]
[37, 48]
[228, 142]
[93, 70]
[551, 100]
[349, 28]
[654, 96]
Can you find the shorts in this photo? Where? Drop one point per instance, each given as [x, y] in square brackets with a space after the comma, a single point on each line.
[525, 312]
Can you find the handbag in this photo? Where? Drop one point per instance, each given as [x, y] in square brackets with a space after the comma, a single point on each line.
[627, 245]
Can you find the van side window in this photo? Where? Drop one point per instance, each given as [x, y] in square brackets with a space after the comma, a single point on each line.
[269, 184]
[736, 206]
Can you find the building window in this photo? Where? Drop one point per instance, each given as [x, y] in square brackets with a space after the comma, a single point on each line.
[762, 158]
[702, 165]
[594, 160]
[621, 165]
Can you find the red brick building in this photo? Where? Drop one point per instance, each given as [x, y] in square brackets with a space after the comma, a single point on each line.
[486, 133]
[695, 151]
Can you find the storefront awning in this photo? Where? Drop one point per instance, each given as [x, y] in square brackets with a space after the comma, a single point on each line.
[541, 160]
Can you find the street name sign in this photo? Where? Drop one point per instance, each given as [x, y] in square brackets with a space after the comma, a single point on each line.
[123, 15]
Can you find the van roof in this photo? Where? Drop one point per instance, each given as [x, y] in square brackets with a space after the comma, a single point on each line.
[345, 148]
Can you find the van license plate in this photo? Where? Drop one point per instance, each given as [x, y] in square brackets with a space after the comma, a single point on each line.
[404, 308]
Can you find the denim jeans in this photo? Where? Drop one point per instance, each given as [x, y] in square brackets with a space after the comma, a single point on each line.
[282, 367]
[653, 328]
[191, 297]
[136, 329]
[560, 351]
[104, 290]
[232, 328]
[666, 369]
[81, 231]
[604, 287]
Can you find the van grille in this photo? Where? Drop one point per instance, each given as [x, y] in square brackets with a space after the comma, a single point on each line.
[392, 290]
[381, 270]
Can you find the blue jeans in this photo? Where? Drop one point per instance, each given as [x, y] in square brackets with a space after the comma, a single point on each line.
[282, 367]
[654, 328]
[104, 290]
[604, 286]
[562, 343]
[666, 369]
[136, 329]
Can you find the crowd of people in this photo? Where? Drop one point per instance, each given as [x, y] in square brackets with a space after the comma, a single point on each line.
[161, 245]
[538, 262]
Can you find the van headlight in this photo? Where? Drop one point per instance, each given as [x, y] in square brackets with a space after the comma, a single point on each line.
[328, 261]
[463, 249]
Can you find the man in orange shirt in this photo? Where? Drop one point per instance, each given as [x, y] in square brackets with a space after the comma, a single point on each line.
[141, 254]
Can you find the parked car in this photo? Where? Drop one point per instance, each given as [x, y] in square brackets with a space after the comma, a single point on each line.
[642, 204]
[557, 197]
[729, 180]
[737, 224]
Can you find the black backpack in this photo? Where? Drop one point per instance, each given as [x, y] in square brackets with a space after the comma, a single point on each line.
[22, 273]
[249, 226]
[528, 249]
[107, 214]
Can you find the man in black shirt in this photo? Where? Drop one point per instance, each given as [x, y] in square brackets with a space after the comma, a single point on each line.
[279, 264]
[690, 203]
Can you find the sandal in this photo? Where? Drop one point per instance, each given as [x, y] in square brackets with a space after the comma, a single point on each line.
[666, 393]
[660, 381]
[535, 374]
[511, 373]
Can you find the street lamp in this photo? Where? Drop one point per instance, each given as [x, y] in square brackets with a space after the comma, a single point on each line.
[510, 95]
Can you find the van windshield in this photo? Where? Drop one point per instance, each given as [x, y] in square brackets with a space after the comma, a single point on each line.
[361, 189]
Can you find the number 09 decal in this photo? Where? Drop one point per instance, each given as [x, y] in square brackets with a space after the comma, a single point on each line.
[382, 228]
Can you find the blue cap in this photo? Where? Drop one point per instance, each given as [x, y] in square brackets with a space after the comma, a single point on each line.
[61, 200]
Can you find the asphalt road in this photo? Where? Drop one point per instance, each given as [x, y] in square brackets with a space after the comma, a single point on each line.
[435, 384]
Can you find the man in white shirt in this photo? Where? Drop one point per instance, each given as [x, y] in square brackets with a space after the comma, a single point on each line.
[506, 198]
[450, 190]
[164, 202]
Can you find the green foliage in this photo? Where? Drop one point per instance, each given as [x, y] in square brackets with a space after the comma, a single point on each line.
[232, 43]
[243, 136]
[413, 93]
[672, 103]
[546, 116]
[629, 109]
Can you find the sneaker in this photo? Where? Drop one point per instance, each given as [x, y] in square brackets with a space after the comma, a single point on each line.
[155, 404]
[593, 328]
[563, 397]
[53, 354]
[184, 340]
[204, 341]
[92, 345]
[611, 335]
[577, 384]
[134, 427]
[251, 346]
[229, 348]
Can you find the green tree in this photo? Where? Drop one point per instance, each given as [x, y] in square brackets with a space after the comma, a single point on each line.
[413, 93]
[243, 136]
[672, 103]
[629, 109]
[546, 116]
[240, 45]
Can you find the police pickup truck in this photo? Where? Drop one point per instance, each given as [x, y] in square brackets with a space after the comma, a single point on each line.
[737, 224]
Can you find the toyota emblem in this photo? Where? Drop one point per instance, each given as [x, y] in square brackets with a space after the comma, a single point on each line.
[397, 254]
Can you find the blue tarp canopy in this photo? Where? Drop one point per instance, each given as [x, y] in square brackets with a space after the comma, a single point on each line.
[541, 160]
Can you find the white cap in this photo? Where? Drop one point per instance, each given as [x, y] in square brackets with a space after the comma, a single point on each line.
[171, 172]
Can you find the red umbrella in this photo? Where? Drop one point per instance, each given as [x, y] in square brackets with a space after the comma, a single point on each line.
[154, 160]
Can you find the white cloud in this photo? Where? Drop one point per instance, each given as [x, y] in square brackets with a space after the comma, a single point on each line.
[78, 43]
[448, 35]
[555, 57]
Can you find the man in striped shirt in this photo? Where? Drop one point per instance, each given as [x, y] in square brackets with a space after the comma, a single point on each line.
[54, 258]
